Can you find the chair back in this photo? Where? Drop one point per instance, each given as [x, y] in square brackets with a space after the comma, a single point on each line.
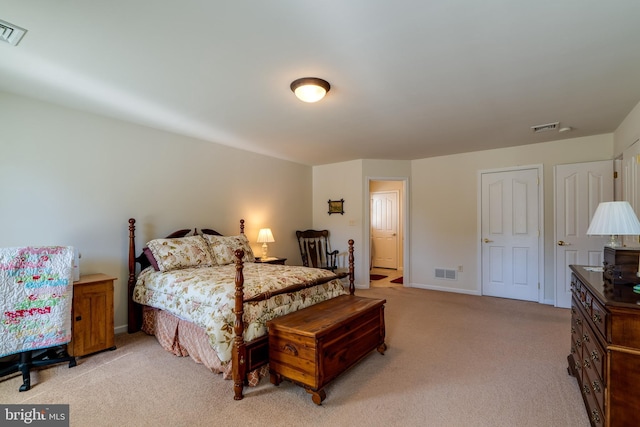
[315, 249]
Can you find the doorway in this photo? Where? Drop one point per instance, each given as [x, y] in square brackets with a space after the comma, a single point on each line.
[386, 232]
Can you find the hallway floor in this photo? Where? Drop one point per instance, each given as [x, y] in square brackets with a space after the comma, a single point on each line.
[386, 282]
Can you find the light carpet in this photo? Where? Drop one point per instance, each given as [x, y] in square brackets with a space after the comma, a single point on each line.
[453, 360]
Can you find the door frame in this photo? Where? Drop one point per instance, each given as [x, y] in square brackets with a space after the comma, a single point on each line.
[541, 261]
[404, 206]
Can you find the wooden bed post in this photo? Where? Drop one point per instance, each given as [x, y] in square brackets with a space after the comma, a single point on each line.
[133, 322]
[239, 348]
[352, 287]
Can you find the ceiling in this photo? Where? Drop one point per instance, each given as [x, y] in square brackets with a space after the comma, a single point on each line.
[409, 79]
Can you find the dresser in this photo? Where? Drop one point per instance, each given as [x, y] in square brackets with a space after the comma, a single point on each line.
[314, 345]
[92, 317]
[605, 347]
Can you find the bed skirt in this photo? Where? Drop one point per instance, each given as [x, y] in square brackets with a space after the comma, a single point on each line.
[184, 338]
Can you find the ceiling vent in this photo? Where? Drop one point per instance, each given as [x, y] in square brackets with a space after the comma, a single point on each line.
[544, 128]
[10, 33]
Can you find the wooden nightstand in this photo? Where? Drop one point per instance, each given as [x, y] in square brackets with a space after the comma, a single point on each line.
[271, 260]
[92, 315]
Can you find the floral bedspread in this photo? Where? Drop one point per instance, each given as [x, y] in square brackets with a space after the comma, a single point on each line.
[205, 296]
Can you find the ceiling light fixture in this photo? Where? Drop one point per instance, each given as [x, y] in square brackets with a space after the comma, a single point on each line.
[310, 89]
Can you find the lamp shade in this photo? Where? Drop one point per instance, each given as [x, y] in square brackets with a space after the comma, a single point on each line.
[310, 89]
[614, 219]
[265, 236]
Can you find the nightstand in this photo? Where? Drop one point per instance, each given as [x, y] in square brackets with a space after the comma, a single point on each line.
[92, 315]
[271, 260]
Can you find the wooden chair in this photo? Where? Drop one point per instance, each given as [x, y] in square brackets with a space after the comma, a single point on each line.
[314, 249]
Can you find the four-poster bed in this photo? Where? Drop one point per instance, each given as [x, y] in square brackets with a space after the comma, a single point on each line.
[247, 294]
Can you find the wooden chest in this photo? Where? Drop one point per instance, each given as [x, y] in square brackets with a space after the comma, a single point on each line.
[312, 346]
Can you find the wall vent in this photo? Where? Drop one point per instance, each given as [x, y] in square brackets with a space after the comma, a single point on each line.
[10, 33]
[544, 128]
[447, 274]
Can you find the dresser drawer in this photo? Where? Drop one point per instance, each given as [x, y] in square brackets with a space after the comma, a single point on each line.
[593, 355]
[599, 318]
[594, 397]
[576, 335]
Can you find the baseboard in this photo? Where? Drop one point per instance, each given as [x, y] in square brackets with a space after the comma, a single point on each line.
[445, 289]
[120, 329]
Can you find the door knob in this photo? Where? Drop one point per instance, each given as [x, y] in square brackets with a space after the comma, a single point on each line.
[563, 243]
[487, 240]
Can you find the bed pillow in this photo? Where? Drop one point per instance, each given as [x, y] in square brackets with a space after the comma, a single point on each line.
[223, 247]
[182, 252]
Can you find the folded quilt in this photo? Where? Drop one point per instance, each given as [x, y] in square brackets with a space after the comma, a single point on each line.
[36, 289]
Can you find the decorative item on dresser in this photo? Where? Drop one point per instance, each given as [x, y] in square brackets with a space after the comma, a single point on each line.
[208, 322]
[621, 265]
[605, 347]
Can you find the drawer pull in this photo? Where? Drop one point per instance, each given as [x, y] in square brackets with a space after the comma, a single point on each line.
[595, 356]
[578, 343]
[596, 318]
[587, 363]
[586, 389]
[578, 367]
[579, 321]
[585, 338]
[290, 349]
[595, 416]
[596, 386]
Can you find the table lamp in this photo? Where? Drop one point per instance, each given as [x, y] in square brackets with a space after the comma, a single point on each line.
[614, 219]
[265, 236]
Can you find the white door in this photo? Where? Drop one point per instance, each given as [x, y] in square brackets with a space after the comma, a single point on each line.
[579, 188]
[510, 234]
[384, 229]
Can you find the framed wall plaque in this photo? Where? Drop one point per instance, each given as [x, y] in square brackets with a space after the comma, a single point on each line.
[336, 207]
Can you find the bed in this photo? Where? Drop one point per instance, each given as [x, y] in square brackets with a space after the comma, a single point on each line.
[201, 294]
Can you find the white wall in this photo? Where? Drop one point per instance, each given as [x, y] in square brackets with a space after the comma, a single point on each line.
[73, 178]
[628, 132]
[444, 206]
[334, 182]
[349, 181]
